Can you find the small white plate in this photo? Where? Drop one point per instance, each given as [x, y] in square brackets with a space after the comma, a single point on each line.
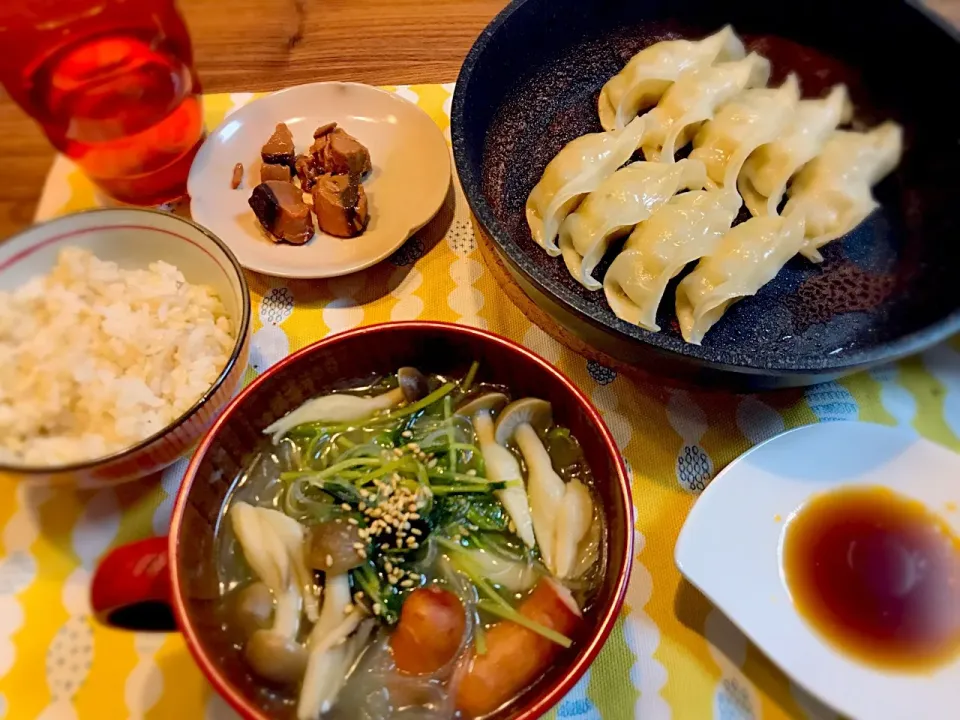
[729, 549]
[408, 184]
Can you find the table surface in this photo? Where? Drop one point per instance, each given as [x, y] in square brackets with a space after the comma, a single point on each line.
[268, 44]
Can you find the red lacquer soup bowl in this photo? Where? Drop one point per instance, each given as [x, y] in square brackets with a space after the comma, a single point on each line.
[157, 582]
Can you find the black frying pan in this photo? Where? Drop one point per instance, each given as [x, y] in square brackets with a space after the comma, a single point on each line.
[888, 289]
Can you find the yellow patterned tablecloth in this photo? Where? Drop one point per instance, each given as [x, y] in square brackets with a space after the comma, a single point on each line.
[672, 655]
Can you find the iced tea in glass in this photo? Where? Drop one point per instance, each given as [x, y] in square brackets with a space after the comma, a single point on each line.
[112, 84]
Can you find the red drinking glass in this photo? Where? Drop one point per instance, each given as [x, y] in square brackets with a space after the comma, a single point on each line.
[113, 85]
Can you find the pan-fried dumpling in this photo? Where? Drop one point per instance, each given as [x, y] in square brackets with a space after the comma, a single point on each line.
[688, 227]
[651, 71]
[751, 119]
[766, 172]
[627, 197]
[833, 190]
[577, 170]
[694, 98]
[746, 259]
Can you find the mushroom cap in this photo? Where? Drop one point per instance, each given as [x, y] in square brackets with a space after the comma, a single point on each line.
[491, 402]
[252, 608]
[533, 411]
[413, 383]
[276, 658]
[337, 541]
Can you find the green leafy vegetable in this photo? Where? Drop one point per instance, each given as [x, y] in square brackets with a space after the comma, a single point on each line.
[381, 596]
[470, 376]
[482, 513]
[509, 613]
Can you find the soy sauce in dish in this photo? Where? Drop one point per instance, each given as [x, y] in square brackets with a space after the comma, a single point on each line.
[878, 576]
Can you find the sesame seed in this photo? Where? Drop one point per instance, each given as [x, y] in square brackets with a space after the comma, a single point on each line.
[411, 542]
[384, 546]
[362, 553]
[364, 493]
[406, 584]
[358, 546]
[471, 472]
[329, 560]
[358, 596]
[345, 506]
[407, 434]
[416, 531]
[362, 505]
[414, 516]
[376, 608]
[511, 526]
[432, 463]
[388, 566]
[347, 609]
[353, 521]
[412, 507]
[398, 452]
[413, 545]
[413, 446]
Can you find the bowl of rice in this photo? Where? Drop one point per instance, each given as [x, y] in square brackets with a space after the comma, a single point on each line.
[123, 334]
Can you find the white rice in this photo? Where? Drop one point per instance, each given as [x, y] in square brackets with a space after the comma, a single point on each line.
[94, 358]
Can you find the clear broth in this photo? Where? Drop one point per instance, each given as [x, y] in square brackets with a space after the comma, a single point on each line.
[372, 691]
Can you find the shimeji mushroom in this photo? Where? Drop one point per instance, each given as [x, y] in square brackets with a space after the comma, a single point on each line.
[503, 467]
[491, 402]
[252, 608]
[291, 533]
[562, 513]
[273, 653]
[573, 523]
[328, 664]
[520, 421]
[346, 408]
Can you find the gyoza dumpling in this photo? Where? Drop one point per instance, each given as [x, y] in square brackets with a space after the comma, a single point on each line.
[833, 190]
[627, 197]
[688, 227]
[651, 71]
[577, 170]
[766, 172]
[694, 98]
[745, 123]
[746, 259]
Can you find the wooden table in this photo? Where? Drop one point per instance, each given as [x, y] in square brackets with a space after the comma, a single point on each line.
[268, 44]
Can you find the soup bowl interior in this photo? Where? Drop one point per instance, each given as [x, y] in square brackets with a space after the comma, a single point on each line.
[337, 363]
